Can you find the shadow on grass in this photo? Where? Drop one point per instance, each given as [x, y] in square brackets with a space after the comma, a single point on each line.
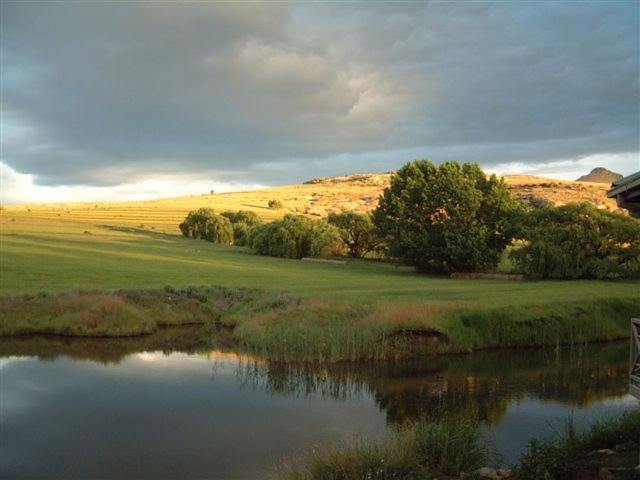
[262, 207]
[144, 232]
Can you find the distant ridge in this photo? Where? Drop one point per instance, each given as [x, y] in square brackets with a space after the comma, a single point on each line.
[600, 175]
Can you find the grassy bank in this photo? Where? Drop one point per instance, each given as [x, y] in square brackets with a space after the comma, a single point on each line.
[129, 312]
[316, 330]
[286, 327]
[452, 448]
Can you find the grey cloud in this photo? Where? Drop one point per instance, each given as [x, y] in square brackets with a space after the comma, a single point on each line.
[94, 93]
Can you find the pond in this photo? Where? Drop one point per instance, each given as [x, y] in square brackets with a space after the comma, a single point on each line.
[172, 407]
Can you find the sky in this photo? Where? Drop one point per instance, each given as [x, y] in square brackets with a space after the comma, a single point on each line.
[113, 100]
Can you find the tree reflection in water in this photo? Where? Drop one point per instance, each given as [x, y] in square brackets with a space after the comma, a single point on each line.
[482, 384]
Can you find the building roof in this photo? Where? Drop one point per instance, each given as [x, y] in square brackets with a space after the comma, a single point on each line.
[626, 191]
[624, 184]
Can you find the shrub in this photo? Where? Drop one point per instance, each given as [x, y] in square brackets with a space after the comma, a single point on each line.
[357, 232]
[243, 222]
[206, 225]
[295, 236]
[275, 204]
[447, 218]
[578, 241]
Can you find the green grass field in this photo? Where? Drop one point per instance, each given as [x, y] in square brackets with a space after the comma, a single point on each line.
[57, 255]
[347, 311]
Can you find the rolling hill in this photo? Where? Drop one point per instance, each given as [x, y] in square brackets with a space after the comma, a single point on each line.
[317, 197]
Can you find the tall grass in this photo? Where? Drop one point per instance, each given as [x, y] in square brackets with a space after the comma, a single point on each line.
[320, 331]
[449, 446]
[74, 313]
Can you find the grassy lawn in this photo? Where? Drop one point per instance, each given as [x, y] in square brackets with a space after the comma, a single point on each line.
[43, 254]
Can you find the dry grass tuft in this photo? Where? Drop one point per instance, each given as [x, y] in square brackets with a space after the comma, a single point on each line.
[411, 315]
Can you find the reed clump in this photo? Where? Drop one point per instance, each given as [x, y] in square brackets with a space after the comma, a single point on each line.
[448, 446]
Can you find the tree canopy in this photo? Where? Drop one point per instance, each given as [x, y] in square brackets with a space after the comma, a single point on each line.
[446, 218]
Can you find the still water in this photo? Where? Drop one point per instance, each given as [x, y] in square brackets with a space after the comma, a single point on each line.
[171, 407]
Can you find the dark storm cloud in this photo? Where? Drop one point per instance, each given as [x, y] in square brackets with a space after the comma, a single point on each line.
[103, 93]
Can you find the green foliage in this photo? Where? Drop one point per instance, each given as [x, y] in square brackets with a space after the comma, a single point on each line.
[357, 232]
[578, 241]
[275, 204]
[243, 222]
[563, 458]
[447, 218]
[447, 446]
[206, 225]
[295, 236]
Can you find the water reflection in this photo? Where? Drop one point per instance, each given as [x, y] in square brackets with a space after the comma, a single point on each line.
[175, 405]
[483, 384]
[107, 350]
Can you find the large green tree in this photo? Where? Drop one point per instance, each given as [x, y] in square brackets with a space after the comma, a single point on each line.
[578, 241]
[446, 218]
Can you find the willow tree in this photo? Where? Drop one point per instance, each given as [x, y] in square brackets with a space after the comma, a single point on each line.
[206, 225]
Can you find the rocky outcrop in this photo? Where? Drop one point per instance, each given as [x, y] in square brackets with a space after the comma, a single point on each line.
[600, 175]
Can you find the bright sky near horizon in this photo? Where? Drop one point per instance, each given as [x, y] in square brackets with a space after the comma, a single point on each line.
[111, 100]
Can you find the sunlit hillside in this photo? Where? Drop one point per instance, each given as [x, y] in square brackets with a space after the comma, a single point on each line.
[317, 197]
